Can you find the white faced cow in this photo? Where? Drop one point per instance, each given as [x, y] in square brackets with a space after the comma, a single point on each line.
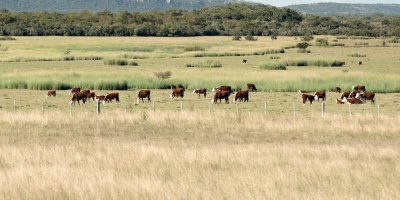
[143, 94]
[200, 91]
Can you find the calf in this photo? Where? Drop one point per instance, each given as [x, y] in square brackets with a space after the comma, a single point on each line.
[241, 95]
[51, 93]
[200, 91]
[100, 98]
[224, 94]
[252, 87]
[78, 96]
[367, 96]
[74, 90]
[143, 94]
[178, 92]
[320, 95]
[111, 96]
[337, 89]
[308, 97]
[90, 95]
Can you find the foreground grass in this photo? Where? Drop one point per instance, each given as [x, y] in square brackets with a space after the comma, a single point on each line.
[195, 155]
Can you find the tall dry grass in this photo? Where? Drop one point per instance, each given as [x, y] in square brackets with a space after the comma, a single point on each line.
[197, 155]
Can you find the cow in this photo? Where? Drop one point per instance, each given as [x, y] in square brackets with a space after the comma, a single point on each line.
[337, 89]
[74, 90]
[90, 95]
[181, 86]
[244, 61]
[367, 96]
[353, 94]
[345, 95]
[252, 87]
[143, 94]
[342, 64]
[51, 93]
[352, 101]
[303, 91]
[223, 94]
[308, 97]
[100, 98]
[359, 63]
[358, 88]
[339, 101]
[221, 88]
[85, 91]
[320, 95]
[200, 91]
[173, 87]
[78, 96]
[241, 95]
[178, 92]
[111, 96]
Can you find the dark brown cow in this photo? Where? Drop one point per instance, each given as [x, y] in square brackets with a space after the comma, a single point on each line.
[178, 92]
[85, 91]
[200, 91]
[241, 95]
[367, 96]
[51, 93]
[244, 61]
[78, 96]
[345, 95]
[74, 90]
[111, 96]
[359, 88]
[308, 97]
[359, 62]
[337, 89]
[90, 95]
[143, 94]
[223, 94]
[320, 95]
[101, 98]
[181, 86]
[252, 87]
[352, 101]
[222, 88]
[173, 87]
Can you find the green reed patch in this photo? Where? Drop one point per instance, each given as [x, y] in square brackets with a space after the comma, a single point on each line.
[120, 62]
[318, 63]
[271, 66]
[207, 64]
[356, 55]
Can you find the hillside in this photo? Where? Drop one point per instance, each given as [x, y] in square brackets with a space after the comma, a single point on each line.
[110, 5]
[344, 8]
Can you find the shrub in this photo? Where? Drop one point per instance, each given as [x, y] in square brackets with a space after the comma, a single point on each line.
[163, 74]
[272, 66]
[303, 51]
[207, 64]
[194, 48]
[321, 42]
[120, 62]
[357, 55]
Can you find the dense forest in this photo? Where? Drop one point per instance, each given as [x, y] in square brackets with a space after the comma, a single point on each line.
[347, 8]
[230, 19]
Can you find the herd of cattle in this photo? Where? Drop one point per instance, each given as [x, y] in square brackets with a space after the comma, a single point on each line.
[358, 95]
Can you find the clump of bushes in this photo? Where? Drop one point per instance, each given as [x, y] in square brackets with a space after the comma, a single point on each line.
[274, 57]
[7, 38]
[120, 62]
[163, 74]
[207, 64]
[318, 63]
[194, 48]
[271, 66]
[357, 55]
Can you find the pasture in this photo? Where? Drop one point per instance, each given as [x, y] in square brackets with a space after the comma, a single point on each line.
[188, 148]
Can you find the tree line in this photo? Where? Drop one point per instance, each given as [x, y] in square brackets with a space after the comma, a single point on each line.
[222, 20]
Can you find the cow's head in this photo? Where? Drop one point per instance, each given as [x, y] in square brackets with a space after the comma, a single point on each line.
[214, 89]
[195, 91]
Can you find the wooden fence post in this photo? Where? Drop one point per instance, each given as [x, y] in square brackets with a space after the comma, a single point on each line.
[42, 106]
[323, 108]
[265, 108]
[98, 107]
[15, 105]
[294, 110]
[154, 107]
[181, 106]
[350, 110]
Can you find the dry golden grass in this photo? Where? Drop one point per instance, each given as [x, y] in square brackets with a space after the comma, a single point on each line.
[196, 155]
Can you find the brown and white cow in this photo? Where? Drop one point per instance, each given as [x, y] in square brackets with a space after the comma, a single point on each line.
[222, 88]
[358, 88]
[320, 95]
[339, 101]
[241, 95]
[143, 94]
[223, 94]
[359, 62]
[352, 101]
[178, 92]
[100, 98]
[181, 86]
[51, 93]
[77, 96]
[90, 95]
[200, 91]
[353, 94]
[337, 89]
[308, 97]
[173, 87]
[252, 87]
[111, 96]
[345, 94]
[74, 90]
[367, 96]
[85, 91]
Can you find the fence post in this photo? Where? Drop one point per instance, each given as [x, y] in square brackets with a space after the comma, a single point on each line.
[70, 108]
[294, 110]
[181, 106]
[323, 108]
[42, 106]
[379, 110]
[15, 105]
[265, 108]
[154, 107]
[237, 109]
[98, 107]
[350, 109]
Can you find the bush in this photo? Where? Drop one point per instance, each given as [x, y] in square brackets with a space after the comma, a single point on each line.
[194, 48]
[120, 62]
[357, 55]
[271, 66]
[163, 75]
[321, 42]
[303, 51]
[207, 64]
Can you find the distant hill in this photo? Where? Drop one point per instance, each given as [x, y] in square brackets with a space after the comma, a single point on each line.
[110, 5]
[345, 8]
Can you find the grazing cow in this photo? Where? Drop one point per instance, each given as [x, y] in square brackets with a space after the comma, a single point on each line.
[90, 95]
[78, 96]
[173, 87]
[337, 89]
[240, 95]
[223, 94]
[320, 95]
[178, 92]
[339, 101]
[345, 95]
[352, 101]
[85, 91]
[222, 88]
[101, 98]
[244, 61]
[181, 86]
[252, 87]
[358, 88]
[74, 90]
[143, 94]
[51, 93]
[306, 97]
[367, 96]
[111, 96]
[303, 91]
[200, 91]
[359, 63]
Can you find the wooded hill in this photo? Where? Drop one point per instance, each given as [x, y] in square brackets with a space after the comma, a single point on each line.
[347, 8]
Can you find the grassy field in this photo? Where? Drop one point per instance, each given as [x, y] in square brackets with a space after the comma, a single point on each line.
[270, 148]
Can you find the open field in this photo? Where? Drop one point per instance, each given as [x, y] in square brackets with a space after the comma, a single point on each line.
[188, 148]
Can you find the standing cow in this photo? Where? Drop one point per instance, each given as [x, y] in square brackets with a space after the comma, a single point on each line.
[111, 96]
[366, 96]
[100, 98]
[308, 97]
[224, 94]
[320, 95]
[178, 92]
[78, 96]
[358, 88]
[241, 95]
[90, 95]
[200, 91]
[51, 93]
[221, 88]
[143, 94]
[74, 90]
[252, 87]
